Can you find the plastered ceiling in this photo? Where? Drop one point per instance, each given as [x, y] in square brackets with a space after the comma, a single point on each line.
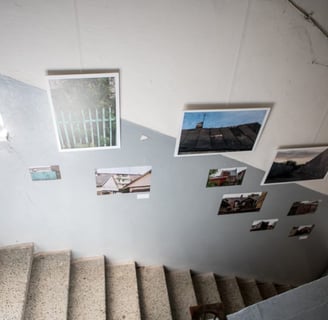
[173, 55]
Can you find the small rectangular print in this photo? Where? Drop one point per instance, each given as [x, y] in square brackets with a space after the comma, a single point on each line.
[225, 177]
[259, 225]
[123, 180]
[242, 202]
[301, 231]
[45, 173]
[303, 207]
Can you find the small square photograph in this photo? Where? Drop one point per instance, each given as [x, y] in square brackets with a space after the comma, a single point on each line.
[298, 164]
[259, 225]
[225, 177]
[123, 180]
[301, 230]
[303, 207]
[45, 173]
[221, 130]
[242, 202]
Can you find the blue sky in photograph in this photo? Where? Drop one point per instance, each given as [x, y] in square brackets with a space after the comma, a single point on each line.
[219, 119]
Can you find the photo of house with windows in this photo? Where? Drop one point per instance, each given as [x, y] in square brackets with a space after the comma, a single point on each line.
[225, 177]
[123, 180]
[242, 202]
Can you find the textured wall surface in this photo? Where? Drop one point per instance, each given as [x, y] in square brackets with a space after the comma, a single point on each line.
[177, 226]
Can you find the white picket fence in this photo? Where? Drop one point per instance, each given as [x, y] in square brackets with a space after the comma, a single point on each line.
[88, 128]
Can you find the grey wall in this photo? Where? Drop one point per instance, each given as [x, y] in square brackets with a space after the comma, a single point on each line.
[178, 226]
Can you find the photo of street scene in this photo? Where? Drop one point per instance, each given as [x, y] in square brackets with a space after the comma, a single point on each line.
[303, 207]
[259, 225]
[123, 180]
[242, 202]
[301, 230]
[225, 177]
[299, 164]
[45, 173]
[217, 131]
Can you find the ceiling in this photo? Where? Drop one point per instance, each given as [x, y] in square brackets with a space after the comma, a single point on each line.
[175, 55]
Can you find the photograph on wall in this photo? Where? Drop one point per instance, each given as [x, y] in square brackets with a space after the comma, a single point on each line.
[225, 177]
[43, 173]
[259, 225]
[217, 131]
[85, 109]
[298, 164]
[123, 180]
[303, 207]
[242, 202]
[300, 231]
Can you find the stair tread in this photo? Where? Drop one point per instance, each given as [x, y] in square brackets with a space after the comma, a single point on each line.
[250, 291]
[15, 268]
[87, 295]
[267, 289]
[122, 292]
[206, 289]
[230, 294]
[181, 293]
[154, 299]
[48, 287]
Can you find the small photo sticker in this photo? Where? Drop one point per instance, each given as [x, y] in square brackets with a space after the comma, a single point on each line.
[123, 180]
[301, 231]
[303, 207]
[259, 225]
[45, 173]
[241, 202]
[225, 177]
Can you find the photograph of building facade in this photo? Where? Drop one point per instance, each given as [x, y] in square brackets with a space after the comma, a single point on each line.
[225, 177]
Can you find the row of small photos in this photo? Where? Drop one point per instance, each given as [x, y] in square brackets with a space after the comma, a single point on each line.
[138, 180]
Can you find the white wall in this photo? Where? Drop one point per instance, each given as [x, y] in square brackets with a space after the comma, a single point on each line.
[175, 53]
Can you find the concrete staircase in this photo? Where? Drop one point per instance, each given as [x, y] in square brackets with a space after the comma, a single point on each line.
[52, 285]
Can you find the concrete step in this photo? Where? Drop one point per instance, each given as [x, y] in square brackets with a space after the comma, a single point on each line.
[122, 292]
[250, 291]
[87, 294]
[281, 288]
[206, 288]
[181, 293]
[15, 268]
[230, 294]
[48, 288]
[153, 294]
[267, 289]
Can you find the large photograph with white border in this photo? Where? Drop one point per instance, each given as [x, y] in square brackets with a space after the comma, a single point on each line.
[85, 109]
[298, 164]
[206, 132]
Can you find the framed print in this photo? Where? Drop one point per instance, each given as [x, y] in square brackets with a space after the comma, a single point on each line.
[259, 225]
[45, 173]
[241, 202]
[85, 109]
[217, 131]
[298, 164]
[225, 177]
[123, 180]
[303, 207]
